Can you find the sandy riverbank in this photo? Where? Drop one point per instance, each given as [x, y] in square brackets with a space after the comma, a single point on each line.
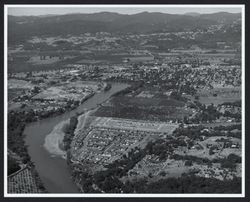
[54, 140]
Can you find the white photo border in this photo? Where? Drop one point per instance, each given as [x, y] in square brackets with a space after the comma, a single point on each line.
[96, 195]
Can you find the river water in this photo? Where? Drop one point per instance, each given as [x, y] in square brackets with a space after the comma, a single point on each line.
[52, 169]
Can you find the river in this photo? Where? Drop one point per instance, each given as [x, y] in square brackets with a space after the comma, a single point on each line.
[52, 169]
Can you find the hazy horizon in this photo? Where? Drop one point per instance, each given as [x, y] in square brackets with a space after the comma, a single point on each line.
[35, 11]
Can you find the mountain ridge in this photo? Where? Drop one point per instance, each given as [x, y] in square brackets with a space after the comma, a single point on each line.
[23, 27]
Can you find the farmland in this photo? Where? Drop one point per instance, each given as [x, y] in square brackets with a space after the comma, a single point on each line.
[22, 182]
[161, 109]
[35, 60]
[219, 95]
[19, 84]
[13, 93]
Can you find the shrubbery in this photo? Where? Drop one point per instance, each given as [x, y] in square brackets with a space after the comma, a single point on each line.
[13, 166]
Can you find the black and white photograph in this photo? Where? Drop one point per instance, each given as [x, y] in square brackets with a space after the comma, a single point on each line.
[124, 100]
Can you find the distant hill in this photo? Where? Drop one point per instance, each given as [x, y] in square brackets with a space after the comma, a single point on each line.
[194, 14]
[23, 27]
[222, 17]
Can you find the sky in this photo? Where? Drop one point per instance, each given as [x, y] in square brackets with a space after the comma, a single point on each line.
[21, 11]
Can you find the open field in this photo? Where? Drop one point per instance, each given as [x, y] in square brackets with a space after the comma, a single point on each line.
[14, 92]
[35, 60]
[112, 58]
[217, 100]
[24, 65]
[21, 84]
[153, 109]
[100, 58]
[140, 58]
[89, 61]
[146, 102]
[219, 95]
[160, 114]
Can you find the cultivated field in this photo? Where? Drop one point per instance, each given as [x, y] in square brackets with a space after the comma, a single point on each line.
[153, 109]
[21, 84]
[22, 182]
[14, 92]
[219, 95]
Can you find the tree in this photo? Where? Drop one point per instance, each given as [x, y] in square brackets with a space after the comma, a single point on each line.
[234, 158]
[211, 152]
[188, 163]
[13, 166]
[36, 89]
[162, 173]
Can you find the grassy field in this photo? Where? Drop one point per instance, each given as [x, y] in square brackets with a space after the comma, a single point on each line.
[24, 66]
[146, 102]
[14, 92]
[154, 109]
[35, 60]
[89, 61]
[19, 84]
[217, 100]
[219, 95]
[111, 58]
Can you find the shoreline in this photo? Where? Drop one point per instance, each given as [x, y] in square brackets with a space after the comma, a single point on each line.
[54, 140]
[56, 134]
